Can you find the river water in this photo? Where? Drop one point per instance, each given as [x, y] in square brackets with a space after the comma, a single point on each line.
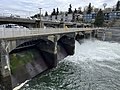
[94, 66]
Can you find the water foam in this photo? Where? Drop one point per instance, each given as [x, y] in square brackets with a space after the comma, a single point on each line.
[95, 50]
[99, 62]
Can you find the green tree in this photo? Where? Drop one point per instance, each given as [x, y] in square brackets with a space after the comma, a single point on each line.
[75, 11]
[46, 14]
[57, 11]
[70, 9]
[36, 16]
[79, 10]
[66, 14]
[99, 20]
[53, 13]
[118, 6]
[89, 9]
[73, 17]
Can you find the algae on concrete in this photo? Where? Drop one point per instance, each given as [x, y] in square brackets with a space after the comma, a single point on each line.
[20, 59]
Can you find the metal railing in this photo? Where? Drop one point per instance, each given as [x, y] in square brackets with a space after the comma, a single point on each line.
[18, 32]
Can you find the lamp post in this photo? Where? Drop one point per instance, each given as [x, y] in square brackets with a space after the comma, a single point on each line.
[40, 18]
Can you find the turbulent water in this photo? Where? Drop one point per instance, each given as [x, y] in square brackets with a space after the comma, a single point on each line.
[94, 66]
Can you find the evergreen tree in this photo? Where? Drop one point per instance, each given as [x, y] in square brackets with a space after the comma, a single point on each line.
[36, 16]
[73, 17]
[66, 14]
[56, 16]
[77, 19]
[57, 11]
[70, 6]
[46, 14]
[89, 9]
[53, 13]
[118, 6]
[75, 11]
[70, 9]
[79, 10]
[99, 20]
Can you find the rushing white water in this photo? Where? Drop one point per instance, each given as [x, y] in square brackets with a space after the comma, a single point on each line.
[94, 66]
[100, 64]
[95, 50]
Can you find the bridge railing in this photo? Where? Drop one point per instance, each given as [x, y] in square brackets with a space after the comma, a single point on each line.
[18, 32]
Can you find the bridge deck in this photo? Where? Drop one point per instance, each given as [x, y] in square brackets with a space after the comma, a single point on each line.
[17, 20]
[22, 33]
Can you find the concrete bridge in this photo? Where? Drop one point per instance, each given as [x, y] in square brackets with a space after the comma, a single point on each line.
[32, 23]
[25, 53]
[20, 21]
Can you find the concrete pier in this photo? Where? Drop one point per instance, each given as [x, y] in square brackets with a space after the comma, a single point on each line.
[5, 73]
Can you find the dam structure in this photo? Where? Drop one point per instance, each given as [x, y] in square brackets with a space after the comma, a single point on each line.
[25, 53]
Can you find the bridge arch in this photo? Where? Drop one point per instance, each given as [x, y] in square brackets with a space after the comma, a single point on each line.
[67, 44]
[79, 36]
[31, 58]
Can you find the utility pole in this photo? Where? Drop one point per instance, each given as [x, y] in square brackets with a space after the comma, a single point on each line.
[40, 18]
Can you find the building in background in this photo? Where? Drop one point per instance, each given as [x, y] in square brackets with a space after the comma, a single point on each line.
[87, 16]
[64, 17]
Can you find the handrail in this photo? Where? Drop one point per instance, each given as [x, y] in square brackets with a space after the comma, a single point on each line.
[18, 32]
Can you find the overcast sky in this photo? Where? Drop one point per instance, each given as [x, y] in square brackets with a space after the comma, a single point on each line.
[28, 7]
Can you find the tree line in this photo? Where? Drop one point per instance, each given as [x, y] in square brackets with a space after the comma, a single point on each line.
[99, 19]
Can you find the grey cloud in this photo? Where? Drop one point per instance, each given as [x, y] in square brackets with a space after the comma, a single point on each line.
[26, 6]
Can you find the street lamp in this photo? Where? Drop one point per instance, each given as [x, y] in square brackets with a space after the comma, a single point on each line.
[40, 17]
[40, 12]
